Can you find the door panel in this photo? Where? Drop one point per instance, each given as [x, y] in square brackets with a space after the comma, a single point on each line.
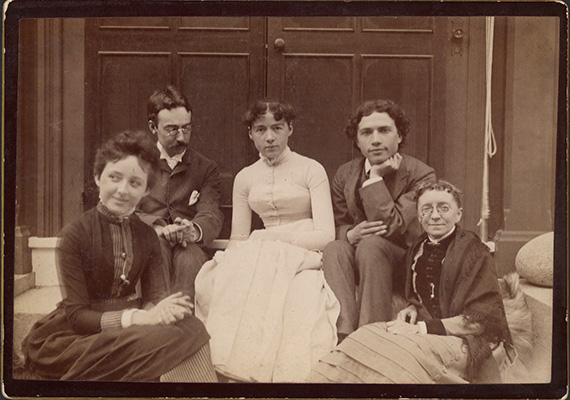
[217, 62]
[126, 78]
[328, 66]
[218, 106]
[128, 23]
[398, 24]
[397, 77]
[314, 24]
[432, 66]
[216, 24]
[325, 66]
[316, 85]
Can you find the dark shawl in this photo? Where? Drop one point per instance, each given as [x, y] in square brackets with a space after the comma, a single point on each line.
[468, 287]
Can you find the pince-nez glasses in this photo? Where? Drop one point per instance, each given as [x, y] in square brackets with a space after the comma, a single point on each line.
[171, 131]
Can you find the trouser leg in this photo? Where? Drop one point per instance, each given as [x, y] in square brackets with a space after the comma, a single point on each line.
[338, 267]
[166, 263]
[380, 264]
[186, 263]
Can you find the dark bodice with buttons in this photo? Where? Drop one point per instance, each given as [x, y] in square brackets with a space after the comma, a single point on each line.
[428, 269]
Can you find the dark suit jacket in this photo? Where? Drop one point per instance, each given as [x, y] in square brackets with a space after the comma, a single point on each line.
[170, 196]
[390, 200]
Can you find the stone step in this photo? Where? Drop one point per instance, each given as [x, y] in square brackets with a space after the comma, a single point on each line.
[43, 260]
[539, 300]
[24, 282]
[29, 307]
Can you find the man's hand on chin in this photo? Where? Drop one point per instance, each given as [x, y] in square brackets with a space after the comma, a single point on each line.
[388, 167]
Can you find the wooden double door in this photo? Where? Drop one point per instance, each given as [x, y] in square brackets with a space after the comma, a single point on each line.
[324, 66]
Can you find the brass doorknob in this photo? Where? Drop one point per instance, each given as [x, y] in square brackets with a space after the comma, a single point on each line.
[279, 44]
[458, 33]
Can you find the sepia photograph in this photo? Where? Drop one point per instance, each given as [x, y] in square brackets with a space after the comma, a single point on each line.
[302, 199]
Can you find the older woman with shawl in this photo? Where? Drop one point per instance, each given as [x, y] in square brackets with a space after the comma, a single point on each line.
[453, 329]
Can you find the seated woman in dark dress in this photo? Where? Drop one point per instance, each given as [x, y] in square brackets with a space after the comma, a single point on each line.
[454, 328]
[115, 321]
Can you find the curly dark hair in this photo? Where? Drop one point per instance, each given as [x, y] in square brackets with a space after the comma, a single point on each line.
[368, 107]
[167, 98]
[129, 143]
[442, 186]
[279, 109]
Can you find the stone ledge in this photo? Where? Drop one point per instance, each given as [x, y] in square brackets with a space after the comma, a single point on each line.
[39, 300]
[29, 307]
[42, 242]
[43, 260]
[44, 265]
[539, 300]
[539, 293]
[36, 242]
[24, 282]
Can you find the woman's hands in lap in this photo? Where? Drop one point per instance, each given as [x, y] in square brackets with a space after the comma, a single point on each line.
[406, 322]
[401, 327]
[168, 311]
[408, 314]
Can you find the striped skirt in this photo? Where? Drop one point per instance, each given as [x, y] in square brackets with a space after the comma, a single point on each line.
[373, 355]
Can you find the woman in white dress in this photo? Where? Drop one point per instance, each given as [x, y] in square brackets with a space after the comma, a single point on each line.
[264, 300]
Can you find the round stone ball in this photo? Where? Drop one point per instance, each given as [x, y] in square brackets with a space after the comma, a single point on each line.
[534, 261]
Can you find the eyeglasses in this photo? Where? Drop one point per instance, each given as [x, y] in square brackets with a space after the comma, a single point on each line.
[441, 209]
[171, 131]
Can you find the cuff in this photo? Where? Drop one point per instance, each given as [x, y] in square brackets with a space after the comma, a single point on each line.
[159, 222]
[435, 327]
[345, 236]
[423, 327]
[111, 319]
[126, 318]
[343, 231]
[200, 236]
[370, 181]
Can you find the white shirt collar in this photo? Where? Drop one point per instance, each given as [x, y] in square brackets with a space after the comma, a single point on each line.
[277, 160]
[171, 161]
[367, 166]
[443, 237]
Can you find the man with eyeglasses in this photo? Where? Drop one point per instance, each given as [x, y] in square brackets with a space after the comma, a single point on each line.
[184, 206]
[375, 216]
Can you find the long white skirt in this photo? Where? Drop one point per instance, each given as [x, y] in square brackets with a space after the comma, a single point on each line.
[270, 314]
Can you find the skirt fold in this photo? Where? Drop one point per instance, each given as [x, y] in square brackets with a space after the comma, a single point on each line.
[138, 353]
[373, 355]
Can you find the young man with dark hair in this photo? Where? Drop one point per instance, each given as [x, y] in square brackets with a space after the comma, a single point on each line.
[375, 216]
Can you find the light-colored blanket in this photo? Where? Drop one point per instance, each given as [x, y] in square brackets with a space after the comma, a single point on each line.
[268, 309]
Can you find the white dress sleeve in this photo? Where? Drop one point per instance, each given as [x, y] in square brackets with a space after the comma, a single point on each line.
[322, 211]
[241, 212]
